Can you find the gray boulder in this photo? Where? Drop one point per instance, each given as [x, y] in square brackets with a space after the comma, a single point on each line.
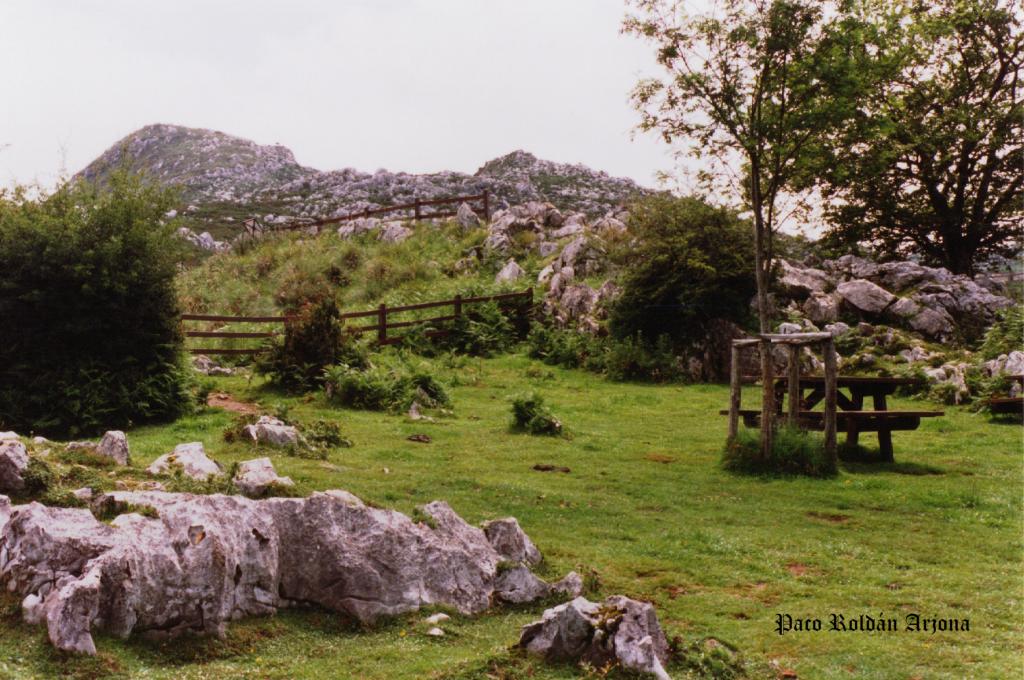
[272, 432]
[821, 308]
[800, 282]
[255, 478]
[394, 232]
[4, 436]
[511, 542]
[466, 218]
[934, 323]
[864, 296]
[518, 585]
[13, 464]
[509, 273]
[114, 445]
[190, 458]
[620, 630]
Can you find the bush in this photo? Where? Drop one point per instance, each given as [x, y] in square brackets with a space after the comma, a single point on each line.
[634, 359]
[794, 452]
[529, 414]
[482, 331]
[1006, 334]
[689, 263]
[88, 302]
[314, 340]
[383, 389]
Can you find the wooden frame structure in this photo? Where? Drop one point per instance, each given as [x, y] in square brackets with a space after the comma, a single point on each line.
[793, 342]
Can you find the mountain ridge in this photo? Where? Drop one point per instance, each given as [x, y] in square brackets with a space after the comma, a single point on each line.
[224, 179]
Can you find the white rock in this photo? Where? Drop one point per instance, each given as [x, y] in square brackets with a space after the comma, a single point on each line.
[271, 431]
[190, 458]
[435, 619]
[5, 436]
[435, 632]
[114, 445]
[509, 273]
[255, 478]
[13, 464]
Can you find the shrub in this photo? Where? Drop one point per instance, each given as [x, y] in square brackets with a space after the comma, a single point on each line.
[688, 264]
[634, 359]
[1006, 334]
[529, 414]
[794, 452]
[383, 389]
[312, 341]
[88, 301]
[482, 331]
[324, 434]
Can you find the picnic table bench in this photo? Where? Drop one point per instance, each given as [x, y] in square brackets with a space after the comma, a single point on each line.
[1008, 405]
[851, 416]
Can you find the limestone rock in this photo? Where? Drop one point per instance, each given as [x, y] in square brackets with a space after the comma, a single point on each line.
[821, 308]
[190, 458]
[255, 478]
[509, 273]
[466, 218]
[619, 630]
[198, 562]
[5, 436]
[865, 296]
[13, 464]
[207, 366]
[114, 445]
[394, 232]
[271, 431]
[801, 282]
[511, 542]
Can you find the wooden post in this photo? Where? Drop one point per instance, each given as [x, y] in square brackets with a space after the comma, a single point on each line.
[830, 400]
[735, 393]
[768, 398]
[794, 384]
[487, 206]
[457, 302]
[382, 324]
[416, 209]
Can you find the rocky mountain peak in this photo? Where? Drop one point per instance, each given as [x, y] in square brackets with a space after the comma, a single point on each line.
[225, 179]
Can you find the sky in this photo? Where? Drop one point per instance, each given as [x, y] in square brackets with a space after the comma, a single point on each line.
[413, 85]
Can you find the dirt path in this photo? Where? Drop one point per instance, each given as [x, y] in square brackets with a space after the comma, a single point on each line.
[225, 401]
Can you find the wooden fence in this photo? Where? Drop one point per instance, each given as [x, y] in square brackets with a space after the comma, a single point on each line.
[417, 207]
[381, 325]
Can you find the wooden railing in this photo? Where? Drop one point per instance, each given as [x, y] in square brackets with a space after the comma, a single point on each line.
[382, 324]
[417, 208]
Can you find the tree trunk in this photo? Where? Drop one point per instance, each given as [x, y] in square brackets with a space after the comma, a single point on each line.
[762, 267]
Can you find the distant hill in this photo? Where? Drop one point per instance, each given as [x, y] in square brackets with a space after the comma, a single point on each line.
[224, 179]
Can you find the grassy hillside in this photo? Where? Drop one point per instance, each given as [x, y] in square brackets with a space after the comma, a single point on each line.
[360, 273]
[645, 511]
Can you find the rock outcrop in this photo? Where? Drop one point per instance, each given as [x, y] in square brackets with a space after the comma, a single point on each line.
[114, 445]
[619, 630]
[194, 563]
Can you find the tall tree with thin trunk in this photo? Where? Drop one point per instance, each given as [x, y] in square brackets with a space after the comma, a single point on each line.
[749, 88]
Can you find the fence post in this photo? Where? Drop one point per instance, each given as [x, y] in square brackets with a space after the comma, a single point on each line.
[382, 324]
[487, 206]
[735, 392]
[457, 302]
[830, 400]
[416, 209]
[794, 384]
[768, 398]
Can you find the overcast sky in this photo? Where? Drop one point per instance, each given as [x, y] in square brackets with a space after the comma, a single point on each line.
[415, 85]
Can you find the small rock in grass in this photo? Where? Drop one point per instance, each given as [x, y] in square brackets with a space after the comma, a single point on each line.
[435, 619]
[421, 438]
[435, 632]
[114, 445]
[256, 477]
[192, 460]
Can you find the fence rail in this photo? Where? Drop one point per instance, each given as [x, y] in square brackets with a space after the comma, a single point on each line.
[380, 327]
[484, 199]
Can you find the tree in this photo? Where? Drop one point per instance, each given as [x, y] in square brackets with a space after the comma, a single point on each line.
[933, 162]
[751, 89]
[87, 298]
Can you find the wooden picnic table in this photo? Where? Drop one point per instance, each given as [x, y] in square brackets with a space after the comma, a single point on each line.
[1008, 405]
[851, 416]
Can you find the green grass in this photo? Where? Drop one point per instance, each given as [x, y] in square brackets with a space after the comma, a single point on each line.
[648, 508]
